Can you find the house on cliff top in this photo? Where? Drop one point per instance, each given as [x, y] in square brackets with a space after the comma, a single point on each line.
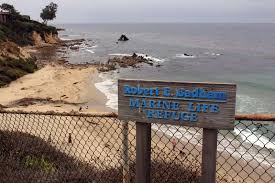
[4, 16]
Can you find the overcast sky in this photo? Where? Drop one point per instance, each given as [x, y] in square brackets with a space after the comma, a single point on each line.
[88, 11]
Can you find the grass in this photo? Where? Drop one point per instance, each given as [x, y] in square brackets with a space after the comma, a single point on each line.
[29, 159]
[40, 163]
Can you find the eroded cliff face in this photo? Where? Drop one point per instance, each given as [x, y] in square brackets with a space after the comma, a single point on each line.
[10, 50]
[37, 39]
[15, 62]
[51, 38]
[48, 38]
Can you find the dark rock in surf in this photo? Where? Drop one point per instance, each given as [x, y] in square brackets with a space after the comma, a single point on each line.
[123, 38]
[187, 55]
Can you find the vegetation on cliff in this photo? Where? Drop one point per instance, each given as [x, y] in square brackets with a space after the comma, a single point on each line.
[15, 62]
[19, 28]
[18, 31]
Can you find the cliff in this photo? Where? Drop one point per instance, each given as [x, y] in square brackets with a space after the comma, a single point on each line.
[15, 62]
[21, 31]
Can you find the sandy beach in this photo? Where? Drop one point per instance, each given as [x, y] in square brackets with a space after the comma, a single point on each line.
[55, 88]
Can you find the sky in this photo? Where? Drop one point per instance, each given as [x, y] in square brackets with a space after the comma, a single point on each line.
[140, 11]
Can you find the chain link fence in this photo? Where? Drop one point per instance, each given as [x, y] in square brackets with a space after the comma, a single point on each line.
[85, 148]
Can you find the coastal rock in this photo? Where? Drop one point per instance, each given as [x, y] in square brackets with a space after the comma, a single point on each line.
[70, 43]
[46, 38]
[133, 61]
[74, 47]
[37, 39]
[51, 38]
[123, 38]
[187, 55]
[10, 50]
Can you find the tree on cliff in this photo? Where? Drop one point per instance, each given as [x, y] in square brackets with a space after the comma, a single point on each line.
[9, 8]
[49, 12]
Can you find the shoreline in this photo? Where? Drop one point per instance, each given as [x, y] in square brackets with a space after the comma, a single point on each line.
[55, 88]
[57, 85]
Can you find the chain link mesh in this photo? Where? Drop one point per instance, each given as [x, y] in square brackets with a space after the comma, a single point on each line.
[37, 147]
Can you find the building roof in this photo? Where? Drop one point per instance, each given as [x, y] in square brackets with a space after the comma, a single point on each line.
[4, 12]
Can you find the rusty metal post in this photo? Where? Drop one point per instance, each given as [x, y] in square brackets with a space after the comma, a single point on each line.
[125, 153]
[143, 152]
[209, 155]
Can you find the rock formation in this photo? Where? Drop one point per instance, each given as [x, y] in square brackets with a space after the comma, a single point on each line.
[123, 38]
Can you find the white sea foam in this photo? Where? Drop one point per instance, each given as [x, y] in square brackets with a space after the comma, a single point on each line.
[212, 54]
[65, 39]
[148, 57]
[185, 56]
[90, 51]
[120, 54]
[234, 147]
[258, 140]
[109, 88]
[74, 35]
[95, 46]
[179, 132]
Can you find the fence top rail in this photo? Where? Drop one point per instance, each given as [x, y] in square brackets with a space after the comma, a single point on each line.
[252, 117]
[255, 117]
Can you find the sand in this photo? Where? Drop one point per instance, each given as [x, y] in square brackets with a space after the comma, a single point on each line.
[69, 88]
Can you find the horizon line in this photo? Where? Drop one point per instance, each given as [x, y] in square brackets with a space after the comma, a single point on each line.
[187, 22]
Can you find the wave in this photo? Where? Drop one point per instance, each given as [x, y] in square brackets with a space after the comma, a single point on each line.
[90, 51]
[232, 146]
[109, 88]
[148, 57]
[65, 39]
[258, 140]
[253, 139]
[184, 55]
[73, 35]
[212, 53]
[93, 47]
[120, 54]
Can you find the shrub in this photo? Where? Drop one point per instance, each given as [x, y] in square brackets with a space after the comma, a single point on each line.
[12, 69]
[39, 163]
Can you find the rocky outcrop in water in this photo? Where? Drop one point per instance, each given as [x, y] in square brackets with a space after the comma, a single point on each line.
[123, 38]
[133, 61]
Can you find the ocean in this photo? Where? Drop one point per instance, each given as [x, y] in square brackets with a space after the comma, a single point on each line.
[233, 52]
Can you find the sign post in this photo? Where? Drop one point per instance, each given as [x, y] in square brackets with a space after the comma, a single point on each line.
[209, 154]
[143, 152]
[210, 106]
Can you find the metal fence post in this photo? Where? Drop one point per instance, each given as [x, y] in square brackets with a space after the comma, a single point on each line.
[209, 154]
[143, 152]
[125, 153]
